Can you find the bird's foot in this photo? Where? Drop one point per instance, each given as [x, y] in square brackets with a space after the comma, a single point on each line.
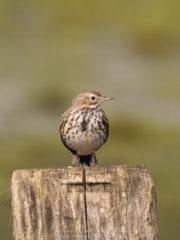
[74, 159]
[93, 159]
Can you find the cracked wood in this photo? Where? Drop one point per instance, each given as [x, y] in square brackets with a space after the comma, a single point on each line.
[117, 203]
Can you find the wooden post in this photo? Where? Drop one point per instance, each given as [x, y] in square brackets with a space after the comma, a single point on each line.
[115, 203]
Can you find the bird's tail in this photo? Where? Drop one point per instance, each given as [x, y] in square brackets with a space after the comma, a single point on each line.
[85, 159]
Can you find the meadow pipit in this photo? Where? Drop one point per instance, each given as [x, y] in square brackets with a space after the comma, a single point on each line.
[84, 127]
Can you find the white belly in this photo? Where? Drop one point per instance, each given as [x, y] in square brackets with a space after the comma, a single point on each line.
[85, 143]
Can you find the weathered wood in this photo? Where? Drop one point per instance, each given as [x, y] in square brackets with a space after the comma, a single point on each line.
[121, 203]
[117, 203]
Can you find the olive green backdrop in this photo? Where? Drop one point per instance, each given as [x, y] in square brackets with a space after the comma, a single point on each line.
[50, 50]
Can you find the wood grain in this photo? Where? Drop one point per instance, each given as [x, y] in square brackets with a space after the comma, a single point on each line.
[117, 202]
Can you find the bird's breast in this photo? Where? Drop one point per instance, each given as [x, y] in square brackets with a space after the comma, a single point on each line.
[84, 131]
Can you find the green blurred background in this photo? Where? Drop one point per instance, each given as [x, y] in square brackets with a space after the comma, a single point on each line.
[130, 50]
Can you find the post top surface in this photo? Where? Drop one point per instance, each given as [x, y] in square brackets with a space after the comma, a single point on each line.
[81, 168]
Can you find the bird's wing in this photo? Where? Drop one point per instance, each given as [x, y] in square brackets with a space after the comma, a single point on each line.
[63, 120]
[105, 124]
[62, 124]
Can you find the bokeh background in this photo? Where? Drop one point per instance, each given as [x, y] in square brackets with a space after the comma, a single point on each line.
[130, 50]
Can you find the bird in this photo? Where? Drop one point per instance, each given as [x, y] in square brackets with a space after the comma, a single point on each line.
[84, 127]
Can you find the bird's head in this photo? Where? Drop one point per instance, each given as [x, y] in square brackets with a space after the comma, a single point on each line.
[91, 99]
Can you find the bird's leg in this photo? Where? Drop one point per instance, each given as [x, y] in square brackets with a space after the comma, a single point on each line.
[93, 159]
[74, 159]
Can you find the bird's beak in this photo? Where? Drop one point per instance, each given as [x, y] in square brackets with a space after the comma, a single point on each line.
[107, 98]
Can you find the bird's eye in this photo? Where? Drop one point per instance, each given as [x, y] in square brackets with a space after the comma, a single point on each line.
[93, 98]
